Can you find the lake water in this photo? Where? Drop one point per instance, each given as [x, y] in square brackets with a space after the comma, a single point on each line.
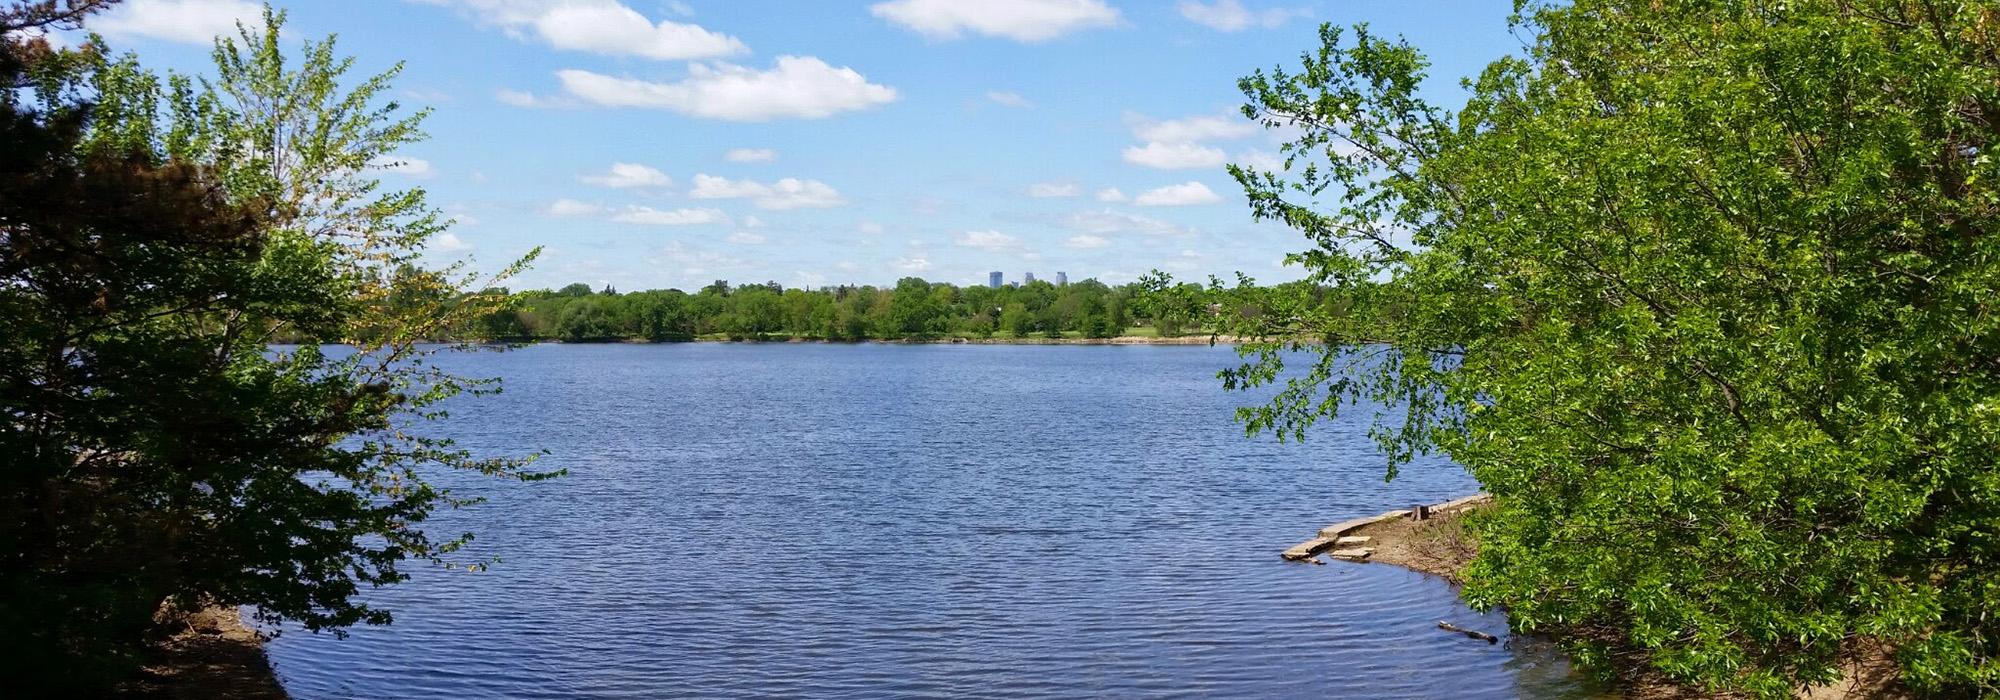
[910, 521]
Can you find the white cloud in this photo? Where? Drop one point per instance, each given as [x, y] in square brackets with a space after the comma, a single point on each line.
[605, 27]
[1181, 195]
[407, 167]
[674, 217]
[424, 94]
[186, 21]
[1009, 99]
[625, 175]
[990, 241]
[1175, 156]
[1214, 127]
[869, 227]
[746, 238]
[449, 242]
[1020, 20]
[750, 155]
[796, 87]
[1109, 221]
[571, 207]
[1110, 194]
[1231, 16]
[788, 193]
[1053, 189]
[520, 98]
[1086, 242]
[1260, 160]
[913, 264]
[752, 222]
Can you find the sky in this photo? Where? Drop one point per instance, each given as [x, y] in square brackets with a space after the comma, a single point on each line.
[648, 144]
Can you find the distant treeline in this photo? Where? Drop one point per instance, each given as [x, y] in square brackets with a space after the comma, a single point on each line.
[913, 309]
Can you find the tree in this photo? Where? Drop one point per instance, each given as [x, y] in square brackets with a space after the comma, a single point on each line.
[1701, 292]
[157, 452]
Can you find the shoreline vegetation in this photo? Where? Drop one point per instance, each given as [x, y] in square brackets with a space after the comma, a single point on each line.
[1154, 309]
[1444, 543]
[1130, 338]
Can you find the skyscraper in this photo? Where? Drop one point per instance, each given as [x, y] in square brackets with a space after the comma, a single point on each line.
[993, 279]
[1062, 278]
[1027, 278]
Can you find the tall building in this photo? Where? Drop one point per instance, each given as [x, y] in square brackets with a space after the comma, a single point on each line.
[993, 280]
[1027, 278]
[1062, 278]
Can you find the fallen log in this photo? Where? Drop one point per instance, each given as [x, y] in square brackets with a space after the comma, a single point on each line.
[1475, 634]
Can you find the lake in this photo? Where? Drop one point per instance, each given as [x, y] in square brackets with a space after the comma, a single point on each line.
[910, 521]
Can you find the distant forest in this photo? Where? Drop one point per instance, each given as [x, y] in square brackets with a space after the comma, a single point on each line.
[914, 309]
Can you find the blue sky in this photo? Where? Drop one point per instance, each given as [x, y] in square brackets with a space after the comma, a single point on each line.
[652, 143]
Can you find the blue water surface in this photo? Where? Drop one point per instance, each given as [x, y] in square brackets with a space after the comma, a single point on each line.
[871, 521]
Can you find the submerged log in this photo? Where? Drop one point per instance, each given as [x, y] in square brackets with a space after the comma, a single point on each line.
[1475, 634]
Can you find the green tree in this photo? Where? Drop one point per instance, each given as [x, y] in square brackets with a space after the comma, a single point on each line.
[1701, 292]
[158, 453]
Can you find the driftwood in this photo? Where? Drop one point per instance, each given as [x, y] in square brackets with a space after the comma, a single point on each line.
[1475, 634]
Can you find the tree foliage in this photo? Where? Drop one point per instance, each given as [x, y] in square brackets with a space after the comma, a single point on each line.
[914, 309]
[1702, 292]
[154, 235]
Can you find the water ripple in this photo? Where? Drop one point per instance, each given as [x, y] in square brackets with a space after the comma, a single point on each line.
[909, 521]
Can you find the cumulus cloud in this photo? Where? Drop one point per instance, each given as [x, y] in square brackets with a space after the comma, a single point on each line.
[626, 175]
[745, 238]
[1232, 16]
[1020, 20]
[1109, 221]
[605, 27]
[670, 217]
[750, 155]
[571, 207]
[521, 98]
[1261, 160]
[913, 264]
[1181, 195]
[1008, 99]
[1213, 127]
[1086, 242]
[795, 87]
[1053, 189]
[1175, 156]
[449, 242]
[788, 193]
[407, 167]
[1110, 194]
[185, 21]
[990, 241]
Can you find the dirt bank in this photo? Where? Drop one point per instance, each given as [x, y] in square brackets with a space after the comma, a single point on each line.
[214, 656]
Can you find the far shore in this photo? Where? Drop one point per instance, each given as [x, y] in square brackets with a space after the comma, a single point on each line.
[949, 340]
